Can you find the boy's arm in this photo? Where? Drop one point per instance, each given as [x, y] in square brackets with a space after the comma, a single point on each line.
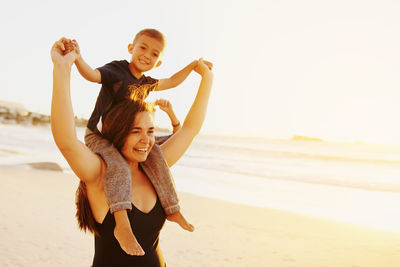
[166, 106]
[179, 77]
[92, 75]
[87, 72]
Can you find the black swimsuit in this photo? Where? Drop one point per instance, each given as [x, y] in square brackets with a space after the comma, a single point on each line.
[146, 228]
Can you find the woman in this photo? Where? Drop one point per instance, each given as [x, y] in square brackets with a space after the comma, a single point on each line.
[129, 126]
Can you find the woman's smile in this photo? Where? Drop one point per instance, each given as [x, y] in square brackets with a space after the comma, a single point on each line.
[141, 139]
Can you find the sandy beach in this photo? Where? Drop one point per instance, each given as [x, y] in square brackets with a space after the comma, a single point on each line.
[38, 228]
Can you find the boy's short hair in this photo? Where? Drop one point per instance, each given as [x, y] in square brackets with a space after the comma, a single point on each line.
[153, 33]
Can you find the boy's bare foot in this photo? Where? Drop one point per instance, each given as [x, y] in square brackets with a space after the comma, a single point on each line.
[124, 235]
[179, 219]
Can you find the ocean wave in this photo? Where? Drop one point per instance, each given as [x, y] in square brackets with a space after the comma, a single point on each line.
[365, 184]
[326, 153]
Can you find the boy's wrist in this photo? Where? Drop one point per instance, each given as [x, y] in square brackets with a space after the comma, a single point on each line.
[172, 117]
[176, 124]
[78, 59]
[193, 64]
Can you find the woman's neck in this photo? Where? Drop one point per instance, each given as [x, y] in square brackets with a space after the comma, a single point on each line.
[134, 166]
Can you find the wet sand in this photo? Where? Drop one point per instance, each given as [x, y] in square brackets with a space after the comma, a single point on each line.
[38, 228]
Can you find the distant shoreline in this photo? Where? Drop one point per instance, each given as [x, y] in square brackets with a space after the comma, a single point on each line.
[17, 114]
[13, 113]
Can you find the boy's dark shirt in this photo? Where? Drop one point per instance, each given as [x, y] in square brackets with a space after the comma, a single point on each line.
[117, 84]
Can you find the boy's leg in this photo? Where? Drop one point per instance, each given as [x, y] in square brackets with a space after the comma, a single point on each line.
[117, 179]
[160, 176]
[118, 190]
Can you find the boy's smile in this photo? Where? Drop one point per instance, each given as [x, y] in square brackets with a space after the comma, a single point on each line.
[146, 54]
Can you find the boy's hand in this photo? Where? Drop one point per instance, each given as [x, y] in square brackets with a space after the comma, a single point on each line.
[76, 48]
[202, 68]
[58, 55]
[208, 64]
[164, 105]
[68, 45]
[71, 45]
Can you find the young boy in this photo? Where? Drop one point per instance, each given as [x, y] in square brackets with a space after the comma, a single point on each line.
[121, 79]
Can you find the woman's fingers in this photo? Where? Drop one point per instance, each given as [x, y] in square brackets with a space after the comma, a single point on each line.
[58, 46]
[208, 64]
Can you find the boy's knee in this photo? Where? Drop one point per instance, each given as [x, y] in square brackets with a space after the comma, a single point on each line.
[155, 154]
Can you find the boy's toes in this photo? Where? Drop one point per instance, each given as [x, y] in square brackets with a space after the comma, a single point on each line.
[179, 219]
[138, 251]
[190, 227]
[133, 250]
[187, 226]
[128, 242]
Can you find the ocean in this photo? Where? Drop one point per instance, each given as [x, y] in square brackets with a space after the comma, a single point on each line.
[352, 182]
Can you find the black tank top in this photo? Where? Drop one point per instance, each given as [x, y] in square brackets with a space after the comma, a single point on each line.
[145, 226]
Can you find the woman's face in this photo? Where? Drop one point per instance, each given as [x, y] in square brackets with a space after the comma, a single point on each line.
[140, 140]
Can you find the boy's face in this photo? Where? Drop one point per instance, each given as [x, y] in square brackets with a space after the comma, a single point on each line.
[146, 53]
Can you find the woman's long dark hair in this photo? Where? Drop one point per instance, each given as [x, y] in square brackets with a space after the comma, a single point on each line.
[116, 127]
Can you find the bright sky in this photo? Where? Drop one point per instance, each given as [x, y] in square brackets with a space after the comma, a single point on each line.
[327, 69]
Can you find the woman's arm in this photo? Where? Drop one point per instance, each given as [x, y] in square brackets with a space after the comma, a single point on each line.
[175, 146]
[85, 164]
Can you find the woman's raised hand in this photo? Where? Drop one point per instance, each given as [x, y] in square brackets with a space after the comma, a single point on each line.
[57, 53]
[202, 68]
